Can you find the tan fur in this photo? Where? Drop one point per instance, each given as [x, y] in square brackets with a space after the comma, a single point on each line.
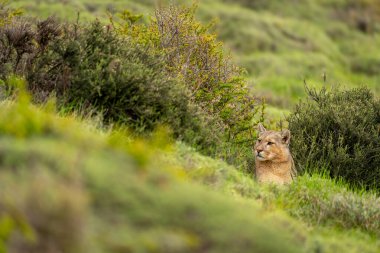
[274, 163]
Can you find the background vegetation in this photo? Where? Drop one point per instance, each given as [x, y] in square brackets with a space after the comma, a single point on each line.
[339, 131]
[279, 44]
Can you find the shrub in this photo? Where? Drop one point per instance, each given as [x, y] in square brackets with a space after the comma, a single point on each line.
[338, 131]
[91, 68]
[23, 43]
[120, 79]
[215, 84]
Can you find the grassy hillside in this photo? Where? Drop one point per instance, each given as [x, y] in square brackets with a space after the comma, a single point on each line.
[68, 186]
[279, 44]
[100, 154]
[71, 188]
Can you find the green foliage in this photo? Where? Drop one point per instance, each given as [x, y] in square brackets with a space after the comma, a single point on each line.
[214, 83]
[339, 131]
[91, 68]
[119, 79]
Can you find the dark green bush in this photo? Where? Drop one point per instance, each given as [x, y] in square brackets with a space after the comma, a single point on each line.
[338, 131]
[122, 80]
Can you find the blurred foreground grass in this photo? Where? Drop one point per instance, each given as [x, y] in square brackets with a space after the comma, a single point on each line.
[68, 186]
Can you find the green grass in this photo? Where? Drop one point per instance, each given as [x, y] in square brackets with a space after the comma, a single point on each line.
[93, 191]
[315, 199]
[89, 10]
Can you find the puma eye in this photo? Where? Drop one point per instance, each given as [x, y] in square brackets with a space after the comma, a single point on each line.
[259, 140]
[270, 143]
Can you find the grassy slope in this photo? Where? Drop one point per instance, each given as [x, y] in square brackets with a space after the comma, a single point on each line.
[279, 44]
[105, 191]
[140, 203]
[91, 191]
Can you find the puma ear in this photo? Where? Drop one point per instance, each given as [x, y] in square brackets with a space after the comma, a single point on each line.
[261, 128]
[285, 134]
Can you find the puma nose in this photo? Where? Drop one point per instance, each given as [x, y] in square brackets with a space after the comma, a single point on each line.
[258, 152]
